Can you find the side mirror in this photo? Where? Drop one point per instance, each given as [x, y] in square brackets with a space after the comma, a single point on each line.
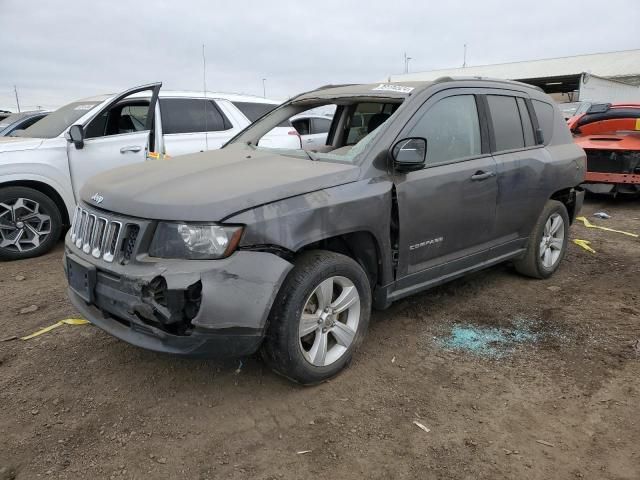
[409, 154]
[76, 135]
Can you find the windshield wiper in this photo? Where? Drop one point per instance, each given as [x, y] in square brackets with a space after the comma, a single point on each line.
[311, 156]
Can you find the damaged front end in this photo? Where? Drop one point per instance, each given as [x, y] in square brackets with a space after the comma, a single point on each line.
[171, 310]
[189, 307]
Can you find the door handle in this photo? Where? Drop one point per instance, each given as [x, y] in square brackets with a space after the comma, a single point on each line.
[131, 148]
[480, 175]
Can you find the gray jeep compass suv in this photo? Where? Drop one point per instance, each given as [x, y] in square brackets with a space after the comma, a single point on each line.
[286, 251]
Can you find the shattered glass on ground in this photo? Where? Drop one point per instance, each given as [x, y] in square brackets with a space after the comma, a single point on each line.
[492, 342]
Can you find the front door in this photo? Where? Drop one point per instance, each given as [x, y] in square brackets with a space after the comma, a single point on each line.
[447, 209]
[120, 134]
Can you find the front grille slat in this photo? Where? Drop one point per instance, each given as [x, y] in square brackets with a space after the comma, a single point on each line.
[84, 215]
[74, 224]
[96, 238]
[115, 228]
[86, 241]
[102, 237]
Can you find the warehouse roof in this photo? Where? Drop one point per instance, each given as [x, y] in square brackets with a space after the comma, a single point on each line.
[611, 64]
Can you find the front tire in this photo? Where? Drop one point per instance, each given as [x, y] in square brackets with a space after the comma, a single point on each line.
[319, 317]
[547, 242]
[30, 223]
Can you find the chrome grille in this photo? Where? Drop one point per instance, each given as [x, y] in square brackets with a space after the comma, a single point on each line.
[99, 236]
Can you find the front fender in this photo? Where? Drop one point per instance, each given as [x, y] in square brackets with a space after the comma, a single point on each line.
[292, 223]
[47, 165]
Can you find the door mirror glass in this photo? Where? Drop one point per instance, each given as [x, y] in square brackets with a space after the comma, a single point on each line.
[76, 135]
[410, 153]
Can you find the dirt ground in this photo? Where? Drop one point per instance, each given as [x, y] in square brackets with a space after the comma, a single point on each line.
[77, 403]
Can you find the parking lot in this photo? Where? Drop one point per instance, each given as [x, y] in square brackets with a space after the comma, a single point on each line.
[78, 403]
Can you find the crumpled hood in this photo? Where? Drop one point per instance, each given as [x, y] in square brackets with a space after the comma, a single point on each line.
[13, 144]
[211, 186]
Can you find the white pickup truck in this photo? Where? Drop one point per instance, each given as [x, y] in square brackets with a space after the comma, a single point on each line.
[42, 170]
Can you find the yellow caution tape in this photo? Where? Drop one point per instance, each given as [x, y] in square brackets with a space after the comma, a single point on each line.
[158, 155]
[588, 224]
[584, 244]
[68, 321]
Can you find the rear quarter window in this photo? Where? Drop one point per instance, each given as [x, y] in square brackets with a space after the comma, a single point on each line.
[544, 114]
[252, 110]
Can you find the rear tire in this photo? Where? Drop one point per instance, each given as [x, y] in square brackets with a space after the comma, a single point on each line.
[319, 317]
[547, 242]
[30, 223]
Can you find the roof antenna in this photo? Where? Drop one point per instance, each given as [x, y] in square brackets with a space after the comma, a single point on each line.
[15, 90]
[206, 100]
[464, 56]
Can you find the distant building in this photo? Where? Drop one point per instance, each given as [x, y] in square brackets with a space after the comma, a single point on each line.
[608, 77]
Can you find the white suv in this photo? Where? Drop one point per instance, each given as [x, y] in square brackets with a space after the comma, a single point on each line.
[42, 170]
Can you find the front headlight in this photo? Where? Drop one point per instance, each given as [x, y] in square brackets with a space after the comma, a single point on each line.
[194, 241]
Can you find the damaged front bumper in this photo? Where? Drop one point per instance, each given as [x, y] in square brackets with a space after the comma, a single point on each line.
[186, 307]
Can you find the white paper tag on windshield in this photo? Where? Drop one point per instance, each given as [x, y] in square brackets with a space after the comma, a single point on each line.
[85, 107]
[388, 87]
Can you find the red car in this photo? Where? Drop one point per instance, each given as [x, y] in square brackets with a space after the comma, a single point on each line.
[610, 135]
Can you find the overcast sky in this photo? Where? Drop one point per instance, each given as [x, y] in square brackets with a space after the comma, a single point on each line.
[58, 51]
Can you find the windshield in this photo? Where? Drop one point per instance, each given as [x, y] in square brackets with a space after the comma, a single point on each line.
[57, 122]
[337, 131]
[14, 117]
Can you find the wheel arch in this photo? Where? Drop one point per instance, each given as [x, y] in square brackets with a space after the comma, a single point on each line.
[360, 245]
[45, 189]
[566, 196]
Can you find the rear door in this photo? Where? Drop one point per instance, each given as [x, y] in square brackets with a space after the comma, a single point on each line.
[318, 130]
[520, 166]
[193, 125]
[447, 209]
[120, 134]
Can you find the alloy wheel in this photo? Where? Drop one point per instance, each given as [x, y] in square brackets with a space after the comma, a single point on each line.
[329, 321]
[552, 240]
[23, 225]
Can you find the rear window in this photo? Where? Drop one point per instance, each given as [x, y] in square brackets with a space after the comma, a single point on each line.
[190, 115]
[544, 113]
[507, 126]
[254, 111]
[320, 125]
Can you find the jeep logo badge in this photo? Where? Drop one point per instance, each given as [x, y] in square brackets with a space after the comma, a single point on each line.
[97, 198]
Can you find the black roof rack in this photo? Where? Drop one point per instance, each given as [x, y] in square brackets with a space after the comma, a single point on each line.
[330, 85]
[487, 79]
